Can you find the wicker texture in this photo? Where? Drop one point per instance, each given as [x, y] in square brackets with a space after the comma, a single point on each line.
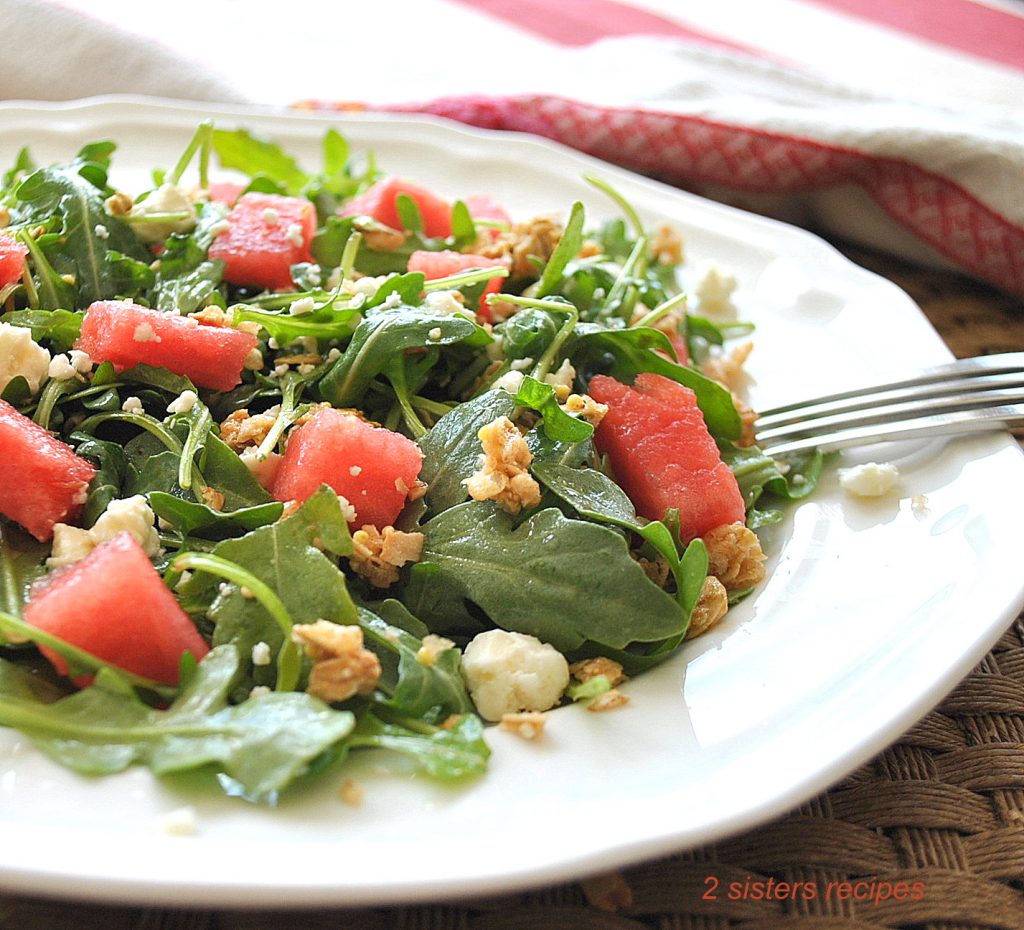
[941, 811]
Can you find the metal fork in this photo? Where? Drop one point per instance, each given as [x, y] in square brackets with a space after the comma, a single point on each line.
[982, 393]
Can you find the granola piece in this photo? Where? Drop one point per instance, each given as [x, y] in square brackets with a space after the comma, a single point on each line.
[351, 793]
[418, 490]
[748, 417]
[667, 245]
[378, 554]
[432, 647]
[503, 474]
[527, 724]
[586, 669]
[711, 606]
[342, 666]
[240, 430]
[657, 569]
[119, 204]
[610, 700]
[735, 556]
[728, 369]
[523, 245]
[586, 408]
[213, 498]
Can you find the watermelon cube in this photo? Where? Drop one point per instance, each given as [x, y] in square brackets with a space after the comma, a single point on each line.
[663, 455]
[12, 259]
[371, 467]
[125, 334]
[266, 235]
[42, 481]
[114, 605]
[379, 200]
[436, 265]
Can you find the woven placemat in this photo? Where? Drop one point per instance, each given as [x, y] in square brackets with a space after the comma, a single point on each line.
[929, 835]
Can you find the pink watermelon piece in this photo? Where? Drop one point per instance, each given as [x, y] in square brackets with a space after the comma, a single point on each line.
[485, 207]
[42, 480]
[266, 235]
[226, 192]
[663, 455]
[436, 265]
[114, 605]
[379, 200]
[12, 259]
[371, 467]
[125, 334]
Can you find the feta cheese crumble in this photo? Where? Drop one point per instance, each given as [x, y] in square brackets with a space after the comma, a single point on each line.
[132, 405]
[21, 356]
[714, 293]
[261, 654]
[870, 479]
[131, 515]
[167, 198]
[271, 216]
[294, 235]
[512, 672]
[181, 821]
[301, 306]
[183, 403]
[61, 369]
[144, 332]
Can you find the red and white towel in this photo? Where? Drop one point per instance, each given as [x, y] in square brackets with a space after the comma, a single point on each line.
[896, 124]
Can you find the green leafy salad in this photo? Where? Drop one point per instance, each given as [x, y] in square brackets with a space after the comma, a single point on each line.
[294, 464]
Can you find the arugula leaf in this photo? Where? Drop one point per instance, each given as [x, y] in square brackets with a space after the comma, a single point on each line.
[258, 157]
[261, 746]
[426, 690]
[285, 556]
[111, 473]
[446, 754]
[528, 333]
[568, 248]
[60, 328]
[451, 448]
[225, 471]
[583, 585]
[194, 519]
[21, 563]
[79, 205]
[591, 493]
[186, 279]
[380, 336]
[558, 425]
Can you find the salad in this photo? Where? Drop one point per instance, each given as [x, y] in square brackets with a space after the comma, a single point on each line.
[304, 463]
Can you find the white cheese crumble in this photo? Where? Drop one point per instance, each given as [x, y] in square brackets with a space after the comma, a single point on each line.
[254, 360]
[80, 361]
[221, 226]
[20, 355]
[510, 672]
[714, 293]
[306, 369]
[168, 198]
[443, 302]
[271, 216]
[295, 236]
[261, 654]
[131, 515]
[183, 403]
[101, 231]
[132, 404]
[870, 479]
[392, 301]
[521, 364]
[511, 381]
[355, 471]
[144, 332]
[259, 691]
[562, 378]
[334, 355]
[182, 821]
[301, 306]
[61, 369]
[348, 512]
[435, 334]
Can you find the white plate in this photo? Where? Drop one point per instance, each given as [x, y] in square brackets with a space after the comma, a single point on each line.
[871, 613]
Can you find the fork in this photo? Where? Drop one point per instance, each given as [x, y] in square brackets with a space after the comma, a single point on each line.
[982, 393]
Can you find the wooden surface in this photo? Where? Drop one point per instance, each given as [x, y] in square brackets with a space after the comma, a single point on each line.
[943, 806]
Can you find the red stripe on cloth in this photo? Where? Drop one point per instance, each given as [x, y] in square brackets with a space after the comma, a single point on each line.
[688, 150]
[581, 22]
[971, 27]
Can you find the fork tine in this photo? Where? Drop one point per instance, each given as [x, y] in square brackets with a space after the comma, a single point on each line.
[994, 369]
[961, 421]
[817, 423]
